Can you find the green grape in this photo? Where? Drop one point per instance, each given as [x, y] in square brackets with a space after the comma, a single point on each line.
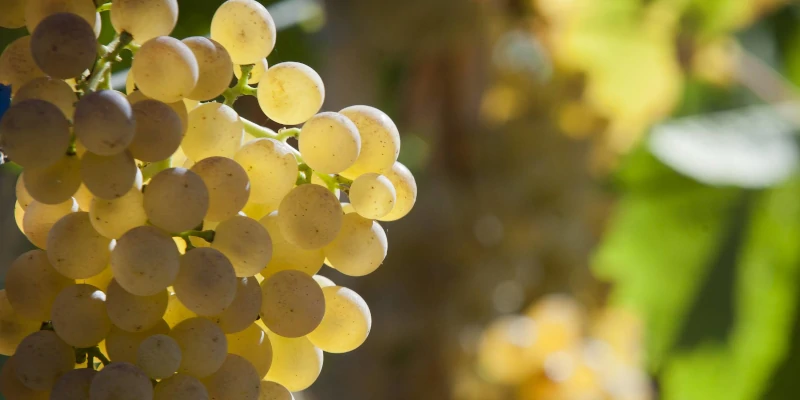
[274, 391]
[159, 130]
[296, 363]
[255, 74]
[179, 107]
[228, 186]
[75, 249]
[245, 243]
[32, 285]
[159, 356]
[206, 282]
[40, 217]
[112, 218]
[359, 248]
[134, 313]
[109, 177]
[144, 19]
[380, 140]
[79, 315]
[372, 195]
[271, 167]
[165, 69]
[290, 93]
[54, 91]
[104, 122]
[203, 346]
[406, 189]
[12, 14]
[176, 200]
[16, 64]
[13, 327]
[13, 389]
[34, 133]
[121, 381]
[292, 303]
[310, 216]
[253, 345]
[64, 45]
[214, 66]
[74, 385]
[181, 387]
[38, 10]
[236, 379]
[286, 256]
[246, 29]
[243, 310]
[346, 323]
[145, 261]
[330, 142]
[41, 358]
[124, 346]
[55, 183]
[214, 130]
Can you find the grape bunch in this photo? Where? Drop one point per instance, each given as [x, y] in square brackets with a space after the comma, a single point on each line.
[178, 243]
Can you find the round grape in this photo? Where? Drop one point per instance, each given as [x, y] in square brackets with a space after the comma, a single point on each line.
[206, 283]
[79, 315]
[380, 140]
[145, 261]
[296, 363]
[120, 381]
[253, 345]
[55, 183]
[246, 29]
[243, 310]
[245, 243]
[74, 385]
[203, 346]
[236, 379]
[134, 313]
[54, 91]
[159, 131]
[34, 133]
[104, 122]
[310, 216]
[12, 14]
[75, 249]
[372, 195]
[14, 327]
[38, 10]
[290, 93]
[176, 200]
[40, 217]
[228, 186]
[286, 256]
[159, 356]
[274, 391]
[16, 64]
[122, 345]
[109, 177]
[271, 167]
[41, 358]
[329, 142]
[64, 45]
[292, 303]
[165, 69]
[346, 323]
[32, 285]
[214, 130]
[214, 67]
[144, 19]
[112, 218]
[359, 248]
[180, 387]
[406, 189]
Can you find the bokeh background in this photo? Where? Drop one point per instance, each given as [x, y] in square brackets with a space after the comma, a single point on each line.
[637, 156]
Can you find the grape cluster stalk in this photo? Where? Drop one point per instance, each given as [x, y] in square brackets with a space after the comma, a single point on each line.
[178, 244]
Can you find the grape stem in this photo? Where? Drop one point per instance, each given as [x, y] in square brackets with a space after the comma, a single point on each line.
[304, 175]
[95, 352]
[207, 235]
[257, 130]
[104, 7]
[103, 64]
[241, 88]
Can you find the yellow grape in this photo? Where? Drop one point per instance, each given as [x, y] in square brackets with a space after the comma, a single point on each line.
[101, 280]
[346, 323]
[228, 186]
[286, 256]
[253, 345]
[64, 45]
[203, 346]
[292, 303]
[74, 385]
[23, 197]
[236, 379]
[144, 19]
[123, 345]
[79, 315]
[246, 29]
[258, 210]
[12, 14]
[214, 66]
[104, 122]
[359, 248]
[40, 217]
[120, 381]
[37, 10]
[380, 140]
[32, 285]
[54, 91]
[75, 249]
[41, 358]
[159, 356]
[19, 216]
[296, 363]
[290, 93]
[214, 130]
[323, 282]
[310, 216]
[165, 69]
[255, 74]
[243, 310]
[13, 389]
[271, 167]
[246, 244]
[112, 218]
[206, 282]
[372, 195]
[34, 133]
[329, 142]
[159, 131]
[16, 64]
[406, 187]
[179, 107]
[176, 200]
[176, 311]
[13, 327]
[180, 387]
[315, 179]
[145, 261]
[109, 177]
[84, 197]
[134, 313]
[55, 183]
[274, 391]
[505, 352]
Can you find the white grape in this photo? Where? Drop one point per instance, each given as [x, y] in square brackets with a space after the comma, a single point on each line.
[109, 177]
[406, 188]
[122, 345]
[214, 130]
[159, 356]
[134, 313]
[329, 142]
[290, 93]
[112, 218]
[310, 216]
[246, 244]
[74, 385]
[292, 303]
[246, 29]
[253, 345]
[323, 281]
[286, 256]
[176, 311]
[121, 381]
[23, 197]
[55, 183]
[16, 64]
[296, 363]
[258, 210]
[244, 309]
[79, 315]
[180, 387]
[380, 140]
[64, 45]
[13, 389]
[206, 282]
[176, 200]
[19, 216]
[38, 10]
[104, 122]
[32, 285]
[12, 14]
[271, 167]
[84, 198]
[40, 217]
[145, 261]
[255, 74]
[214, 67]
[34, 133]
[236, 379]
[75, 249]
[372, 195]
[179, 107]
[274, 391]
[13, 326]
[159, 131]
[101, 280]
[346, 323]
[144, 19]
[41, 358]
[165, 69]
[54, 91]
[359, 248]
[228, 186]
[203, 346]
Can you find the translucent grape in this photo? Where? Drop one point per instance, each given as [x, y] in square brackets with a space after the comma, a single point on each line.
[310, 216]
[79, 315]
[246, 244]
[109, 177]
[329, 142]
[144, 19]
[274, 391]
[258, 210]
[38, 10]
[145, 261]
[112, 218]
[54, 91]
[176, 200]
[176, 311]
[236, 379]
[179, 107]
[323, 282]
[504, 350]
[12, 14]
[34, 133]
[315, 179]
[165, 69]
[104, 122]
[159, 131]
[228, 186]
[214, 130]
[101, 280]
[23, 197]
[380, 140]
[296, 363]
[255, 74]
[120, 381]
[74, 385]
[290, 93]
[134, 313]
[246, 29]
[359, 248]
[40, 217]
[214, 66]
[19, 216]
[372, 195]
[41, 358]
[253, 345]
[64, 45]
[292, 303]
[13, 389]
[203, 346]
[84, 198]
[159, 356]
[124, 346]
[406, 188]
[75, 249]
[55, 183]
[32, 285]
[346, 323]
[286, 256]
[243, 310]
[16, 64]
[271, 167]
[14, 327]
[181, 387]
[206, 283]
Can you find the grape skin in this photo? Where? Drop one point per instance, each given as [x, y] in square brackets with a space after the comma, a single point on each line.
[290, 93]
[63, 45]
[406, 187]
[206, 282]
[34, 133]
[121, 381]
[55, 183]
[159, 130]
[271, 167]
[134, 313]
[214, 130]
[359, 248]
[329, 142]
[372, 195]
[38, 10]
[165, 69]
[180, 387]
[144, 19]
[243, 310]
[236, 379]
[310, 216]
[380, 140]
[253, 345]
[159, 356]
[23, 197]
[79, 315]
[246, 29]
[123, 345]
[179, 107]
[17, 66]
[286, 256]
[274, 391]
[41, 359]
[346, 323]
[75, 384]
[75, 249]
[203, 346]
[32, 285]
[145, 261]
[228, 186]
[176, 200]
[214, 67]
[296, 363]
[12, 14]
[109, 177]
[13, 327]
[40, 217]
[104, 122]
[292, 303]
[112, 218]
[54, 91]
[245, 243]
